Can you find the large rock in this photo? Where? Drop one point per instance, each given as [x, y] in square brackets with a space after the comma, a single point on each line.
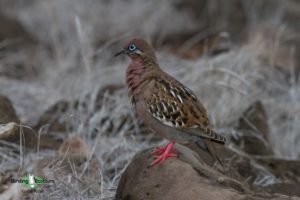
[193, 46]
[7, 111]
[9, 129]
[253, 131]
[287, 173]
[12, 130]
[12, 29]
[185, 177]
[75, 148]
[18, 48]
[53, 117]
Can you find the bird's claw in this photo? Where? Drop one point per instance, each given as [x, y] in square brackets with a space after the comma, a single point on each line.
[160, 150]
[162, 153]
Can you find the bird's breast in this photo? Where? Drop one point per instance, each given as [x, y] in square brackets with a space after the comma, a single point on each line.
[135, 77]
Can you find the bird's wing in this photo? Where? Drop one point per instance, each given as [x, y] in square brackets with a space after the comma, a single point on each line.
[177, 106]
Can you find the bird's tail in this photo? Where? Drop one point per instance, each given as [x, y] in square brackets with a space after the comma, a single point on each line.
[207, 145]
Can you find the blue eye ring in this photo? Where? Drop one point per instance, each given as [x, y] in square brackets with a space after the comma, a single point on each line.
[132, 47]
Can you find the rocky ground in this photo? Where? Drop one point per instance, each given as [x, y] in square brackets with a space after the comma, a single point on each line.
[65, 116]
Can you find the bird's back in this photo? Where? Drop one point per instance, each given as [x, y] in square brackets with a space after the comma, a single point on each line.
[175, 105]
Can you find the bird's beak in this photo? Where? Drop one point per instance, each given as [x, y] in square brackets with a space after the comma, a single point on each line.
[124, 51]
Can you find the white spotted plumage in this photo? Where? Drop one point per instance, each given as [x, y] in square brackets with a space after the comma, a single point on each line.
[159, 96]
[178, 107]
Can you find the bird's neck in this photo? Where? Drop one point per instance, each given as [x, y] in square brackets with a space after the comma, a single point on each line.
[137, 73]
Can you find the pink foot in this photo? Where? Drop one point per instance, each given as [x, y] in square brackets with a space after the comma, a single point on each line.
[162, 153]
[160, 150]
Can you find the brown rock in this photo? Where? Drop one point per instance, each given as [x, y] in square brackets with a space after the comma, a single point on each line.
[52, 117]
[286, 171]
[253, 130]
[288, 188]
[185, 177]
[12, 29]
[282, 167]
[255, 119]
[192, 47]
[218, 15]
[75, 148]
[7, 111]
[108, 89]
[20, 46]
[9, 131]
[48, 141]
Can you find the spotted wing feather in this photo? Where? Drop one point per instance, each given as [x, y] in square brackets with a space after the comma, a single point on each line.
[177, 106]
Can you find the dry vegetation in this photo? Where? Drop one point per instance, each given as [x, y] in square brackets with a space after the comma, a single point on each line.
[67, 57]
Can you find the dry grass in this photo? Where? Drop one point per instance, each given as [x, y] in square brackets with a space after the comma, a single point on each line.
[83, 35]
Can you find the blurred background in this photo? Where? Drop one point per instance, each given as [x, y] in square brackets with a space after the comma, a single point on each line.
[60, 83]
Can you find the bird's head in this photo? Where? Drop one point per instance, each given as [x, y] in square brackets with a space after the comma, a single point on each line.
[138, 49]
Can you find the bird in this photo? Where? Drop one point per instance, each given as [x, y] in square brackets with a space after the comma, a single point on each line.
[164, 104]
[31, 180]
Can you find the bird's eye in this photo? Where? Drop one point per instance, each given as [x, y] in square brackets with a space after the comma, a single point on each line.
[132, 47]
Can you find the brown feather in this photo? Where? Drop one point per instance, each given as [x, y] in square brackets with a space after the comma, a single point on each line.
[168, 102]
[177, 106]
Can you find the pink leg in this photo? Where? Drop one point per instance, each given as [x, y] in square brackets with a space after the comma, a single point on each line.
[160, 150]
[162, 153]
